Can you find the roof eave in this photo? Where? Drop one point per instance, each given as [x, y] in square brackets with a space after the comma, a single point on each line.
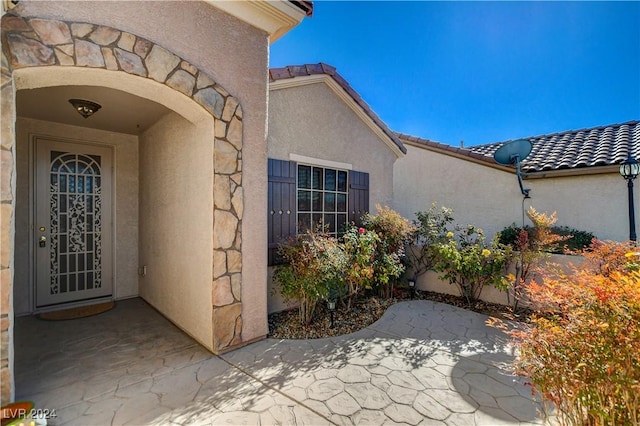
[451, 151]
[579, 171]
[275, 17]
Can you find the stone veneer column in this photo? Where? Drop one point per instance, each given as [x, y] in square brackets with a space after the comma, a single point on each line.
[32, 42]
[227, 241]
[7, 208]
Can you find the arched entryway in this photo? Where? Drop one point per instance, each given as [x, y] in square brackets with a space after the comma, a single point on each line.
[185, 162]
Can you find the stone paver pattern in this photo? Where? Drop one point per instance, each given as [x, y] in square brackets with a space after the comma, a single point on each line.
[422, 363]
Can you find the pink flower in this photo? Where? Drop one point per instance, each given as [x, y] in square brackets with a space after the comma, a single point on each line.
[361, 231]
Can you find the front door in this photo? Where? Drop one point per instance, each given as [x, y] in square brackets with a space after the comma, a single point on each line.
[73, 226]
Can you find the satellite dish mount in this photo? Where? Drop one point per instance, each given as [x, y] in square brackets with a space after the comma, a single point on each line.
[511, 154]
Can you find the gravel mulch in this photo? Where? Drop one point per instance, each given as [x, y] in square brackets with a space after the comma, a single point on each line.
[286, 325]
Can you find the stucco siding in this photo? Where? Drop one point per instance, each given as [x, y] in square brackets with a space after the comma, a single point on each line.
[480, 195]
[491, 198]
[594, 203]
[176, 201]
[235, 55]
[312, 121]
[125, 208]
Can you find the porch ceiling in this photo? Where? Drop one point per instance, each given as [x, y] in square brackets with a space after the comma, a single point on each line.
[121, 112]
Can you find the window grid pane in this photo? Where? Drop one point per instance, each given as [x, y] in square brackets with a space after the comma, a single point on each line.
[322, 192]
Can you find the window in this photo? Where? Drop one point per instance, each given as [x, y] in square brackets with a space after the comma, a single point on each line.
[308, 194]
[321, 198]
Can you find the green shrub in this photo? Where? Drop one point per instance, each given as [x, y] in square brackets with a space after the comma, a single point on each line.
[430, 229]
[574, 239]
[577, 240]
[470, 263]
[359, 247]
[313, 271]
[318, 266]
[393, 231]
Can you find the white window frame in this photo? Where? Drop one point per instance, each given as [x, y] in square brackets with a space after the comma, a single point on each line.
[326, 166]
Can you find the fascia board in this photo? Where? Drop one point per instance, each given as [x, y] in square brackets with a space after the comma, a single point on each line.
[275, 17]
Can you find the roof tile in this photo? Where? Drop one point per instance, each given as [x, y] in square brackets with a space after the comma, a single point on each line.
[598, 146]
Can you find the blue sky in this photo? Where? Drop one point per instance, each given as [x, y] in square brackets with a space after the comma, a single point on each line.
[479, 71]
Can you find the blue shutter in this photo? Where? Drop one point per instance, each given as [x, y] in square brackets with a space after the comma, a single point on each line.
[358, 196]
[281, 222]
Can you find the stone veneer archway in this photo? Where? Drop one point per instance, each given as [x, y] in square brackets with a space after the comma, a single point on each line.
[35, 42]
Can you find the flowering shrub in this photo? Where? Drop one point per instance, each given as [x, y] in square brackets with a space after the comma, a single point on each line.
[534, 246]
[471, 263]
[605, 257]
[360, 253]
[582, 351]
[430, 229]
[314, 262]
[573, 239]
[393, 231]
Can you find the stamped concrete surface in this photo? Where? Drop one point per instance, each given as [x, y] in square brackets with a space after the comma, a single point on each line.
[422, 363]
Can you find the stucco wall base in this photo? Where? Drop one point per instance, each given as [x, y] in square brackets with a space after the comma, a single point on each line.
[430, 281]
[239, 345]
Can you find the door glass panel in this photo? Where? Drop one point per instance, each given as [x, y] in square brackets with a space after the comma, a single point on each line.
[81, 281]
[75, 239]
[72, 282]
[63, 283]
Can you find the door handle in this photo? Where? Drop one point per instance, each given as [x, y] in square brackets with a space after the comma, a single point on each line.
[42, 241]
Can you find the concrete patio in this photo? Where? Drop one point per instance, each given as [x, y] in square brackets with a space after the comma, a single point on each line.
[422, 363]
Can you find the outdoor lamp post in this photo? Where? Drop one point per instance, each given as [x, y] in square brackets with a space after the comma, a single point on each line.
[332, 308]
[630, 170]
[412, 286]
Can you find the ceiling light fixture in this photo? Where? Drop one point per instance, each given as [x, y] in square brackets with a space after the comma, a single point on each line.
[85, 108]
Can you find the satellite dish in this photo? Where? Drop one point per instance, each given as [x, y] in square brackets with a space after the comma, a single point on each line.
[512, 153]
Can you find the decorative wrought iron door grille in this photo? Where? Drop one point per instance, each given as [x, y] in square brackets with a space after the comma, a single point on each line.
[75, 198]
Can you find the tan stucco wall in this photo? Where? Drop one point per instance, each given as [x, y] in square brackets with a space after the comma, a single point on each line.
[491, 198]
[312, 121]
[235, 55]
[176, 201]
[125, 208]
[594, 203]
[430, 281]
[479, 195]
